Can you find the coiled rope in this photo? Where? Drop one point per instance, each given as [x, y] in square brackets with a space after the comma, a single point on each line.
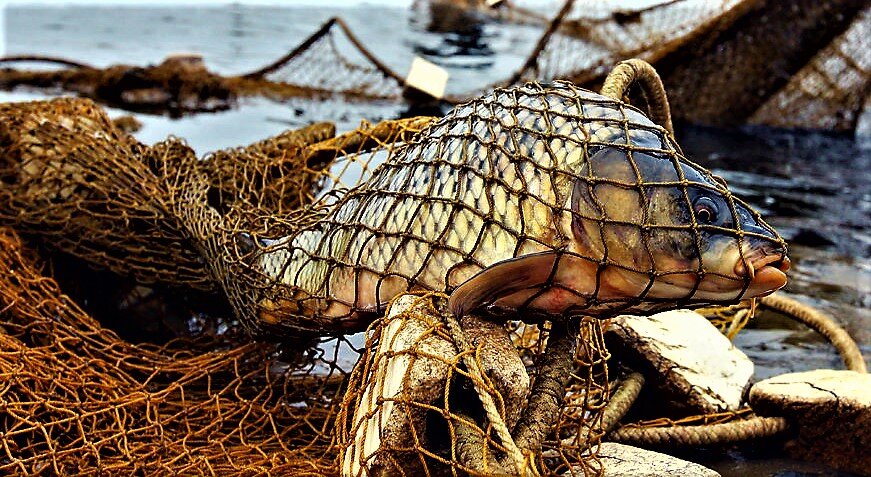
[523, 463]
[737, 431]
[822, 324]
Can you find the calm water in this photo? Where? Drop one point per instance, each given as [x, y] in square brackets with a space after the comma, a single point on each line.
[813, 188]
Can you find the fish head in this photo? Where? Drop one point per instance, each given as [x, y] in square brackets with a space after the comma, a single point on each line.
[664, 230]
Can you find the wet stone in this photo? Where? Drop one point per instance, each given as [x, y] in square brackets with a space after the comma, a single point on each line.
[692, 364]
[620, 460]
[394, 415]
[830, 411]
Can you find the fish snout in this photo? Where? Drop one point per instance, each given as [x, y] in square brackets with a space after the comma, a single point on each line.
[765, 264]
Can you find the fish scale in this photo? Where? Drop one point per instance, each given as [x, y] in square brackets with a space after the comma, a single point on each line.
[483, 185]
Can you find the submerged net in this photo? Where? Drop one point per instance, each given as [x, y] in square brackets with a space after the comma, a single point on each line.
[310, 236]
[179, 84]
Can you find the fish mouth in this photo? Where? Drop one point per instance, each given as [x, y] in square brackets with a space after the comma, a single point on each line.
[767, 272]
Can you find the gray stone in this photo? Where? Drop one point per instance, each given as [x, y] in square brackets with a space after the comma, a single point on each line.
[694, 365]
[830, 411]
[619, 460]
[409, 371]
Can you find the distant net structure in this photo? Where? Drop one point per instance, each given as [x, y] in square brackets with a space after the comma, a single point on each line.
[783, 64]
[787, 64]
[333, 60]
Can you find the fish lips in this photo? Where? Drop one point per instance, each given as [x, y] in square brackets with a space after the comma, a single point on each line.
[766, 271]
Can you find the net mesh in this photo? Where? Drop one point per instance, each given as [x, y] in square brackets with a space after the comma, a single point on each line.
[333, 60]
[77, 399]
[310, 236]
[72, 177]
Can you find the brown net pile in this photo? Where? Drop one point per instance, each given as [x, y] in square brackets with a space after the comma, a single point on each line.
[90, 190]
[77, 399]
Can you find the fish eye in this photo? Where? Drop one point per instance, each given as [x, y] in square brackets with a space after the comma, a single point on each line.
[706, 210]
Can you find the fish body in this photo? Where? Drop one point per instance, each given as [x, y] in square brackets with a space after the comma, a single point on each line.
[539, 200]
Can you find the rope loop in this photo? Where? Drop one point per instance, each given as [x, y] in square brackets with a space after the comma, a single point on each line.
[640, 72]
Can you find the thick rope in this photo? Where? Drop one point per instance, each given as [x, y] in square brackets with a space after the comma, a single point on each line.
[822, 324]
[523, 464]
[624, 397]
[640, 72]
[753, 428]
[548, 392]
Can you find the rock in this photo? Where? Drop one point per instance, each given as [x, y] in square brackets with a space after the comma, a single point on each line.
[408, 373]
[692, 363]
[620, 460]
[831, 411]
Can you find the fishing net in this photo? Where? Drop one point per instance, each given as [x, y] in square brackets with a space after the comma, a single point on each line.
[288, 227]
[829, 92]
[511, 174]
[70, 176]
[726, 62]
[204, 403]
[766, 62]
[79, 400]
[331, 60]
[584, 40]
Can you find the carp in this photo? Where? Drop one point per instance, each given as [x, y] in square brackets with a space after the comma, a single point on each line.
[539, 201]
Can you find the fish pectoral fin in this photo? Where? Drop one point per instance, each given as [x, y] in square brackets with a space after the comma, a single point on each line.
[502, 279]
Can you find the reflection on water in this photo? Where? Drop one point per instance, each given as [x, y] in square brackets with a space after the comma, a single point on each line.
[815, 189]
